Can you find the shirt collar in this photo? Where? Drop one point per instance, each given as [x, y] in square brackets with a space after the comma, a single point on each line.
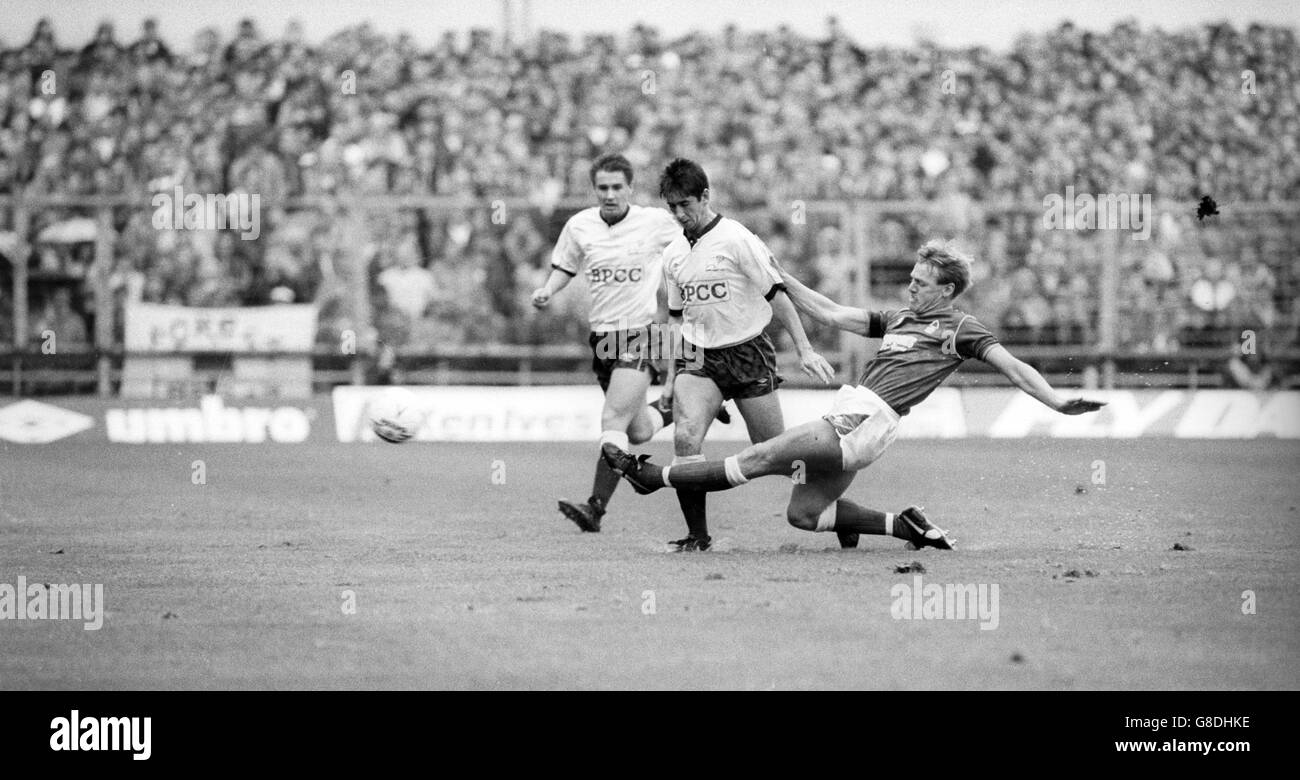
[621, 217]
[692, 239]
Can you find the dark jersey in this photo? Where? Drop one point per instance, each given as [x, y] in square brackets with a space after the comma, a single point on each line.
[919, 351]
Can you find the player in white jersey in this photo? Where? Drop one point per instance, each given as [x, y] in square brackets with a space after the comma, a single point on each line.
[724, 288]
[618, 246]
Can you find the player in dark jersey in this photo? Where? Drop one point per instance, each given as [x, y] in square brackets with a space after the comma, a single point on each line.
[921, 345]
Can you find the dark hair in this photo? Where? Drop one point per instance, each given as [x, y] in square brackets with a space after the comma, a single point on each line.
[683, 177]
[951, 265]
[614, 163]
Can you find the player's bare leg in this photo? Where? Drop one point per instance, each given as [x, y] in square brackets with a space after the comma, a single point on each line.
[816, 505]
[626, 409]
[763, 417]
[763, 420]
[813, 503]
[696, 401]
[811, 446]
[625, 418]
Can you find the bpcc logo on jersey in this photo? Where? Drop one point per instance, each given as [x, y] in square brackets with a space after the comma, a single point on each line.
[706, 292]
[616, 275]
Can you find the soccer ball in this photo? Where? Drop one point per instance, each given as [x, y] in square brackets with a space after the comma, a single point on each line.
[395, 415]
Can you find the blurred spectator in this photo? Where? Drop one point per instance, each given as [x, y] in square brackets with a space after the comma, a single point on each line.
[103, 52]
[1030, 313]
[150, 47]
[246, 46]
[1213, 293]
[409, 289]
[56, 315]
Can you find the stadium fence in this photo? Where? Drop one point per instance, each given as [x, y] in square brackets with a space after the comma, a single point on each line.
[1120, 314]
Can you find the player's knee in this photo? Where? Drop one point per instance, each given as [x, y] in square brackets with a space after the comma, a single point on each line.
[639, 433]
[617, 420]
[802, 518]
[687, 434]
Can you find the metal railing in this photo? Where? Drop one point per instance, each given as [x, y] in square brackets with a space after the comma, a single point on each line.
[1104, 363]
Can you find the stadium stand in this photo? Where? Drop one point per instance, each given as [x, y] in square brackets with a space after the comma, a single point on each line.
[452, 133]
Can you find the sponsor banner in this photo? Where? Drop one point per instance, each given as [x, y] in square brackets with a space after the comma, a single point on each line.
[37, 422]
[210, 419]
[573, 414]
[481, 413]
[156, 327]
[1183, 414]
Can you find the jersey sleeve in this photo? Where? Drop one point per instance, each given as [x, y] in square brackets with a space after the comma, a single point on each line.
[755, 261]
[877, 321]
[973, 340]
[567, 255]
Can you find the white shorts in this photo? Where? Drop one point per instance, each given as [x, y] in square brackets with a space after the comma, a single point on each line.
[865, 424]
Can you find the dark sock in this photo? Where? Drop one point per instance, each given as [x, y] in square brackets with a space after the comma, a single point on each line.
[666, 414]
[706, 475]
[693, 509]
[651, 474]
[602, 487]
[854, 517]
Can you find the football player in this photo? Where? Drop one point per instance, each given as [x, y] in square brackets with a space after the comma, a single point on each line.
[922, 344]
[618, 246]
[723, 290]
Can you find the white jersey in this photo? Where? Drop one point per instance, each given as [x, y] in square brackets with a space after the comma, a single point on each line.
[721, 284]
[623, 262]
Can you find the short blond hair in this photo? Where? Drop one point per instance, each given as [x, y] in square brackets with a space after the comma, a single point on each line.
[950, 264]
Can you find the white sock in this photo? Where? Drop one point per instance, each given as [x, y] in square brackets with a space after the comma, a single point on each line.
[826, 521]
[617, 438]
[734, 475]
[889, 524]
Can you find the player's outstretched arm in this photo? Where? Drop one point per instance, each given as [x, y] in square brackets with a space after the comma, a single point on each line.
[823, 309]
[812, 363]
[1023, 376]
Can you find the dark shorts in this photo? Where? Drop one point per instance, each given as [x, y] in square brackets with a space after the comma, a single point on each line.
[620, 349]
[744, 370]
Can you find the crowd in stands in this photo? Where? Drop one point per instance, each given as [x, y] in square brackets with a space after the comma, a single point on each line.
[776, 117]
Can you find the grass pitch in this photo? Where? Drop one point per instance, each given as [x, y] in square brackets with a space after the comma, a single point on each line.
[455, 580]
